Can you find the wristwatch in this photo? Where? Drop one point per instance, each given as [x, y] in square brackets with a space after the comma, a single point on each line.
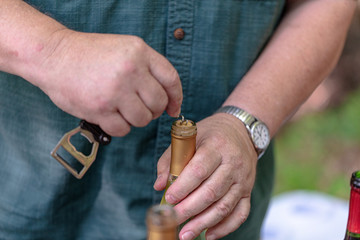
[258, 131]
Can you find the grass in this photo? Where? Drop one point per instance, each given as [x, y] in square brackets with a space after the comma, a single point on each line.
[320, 150]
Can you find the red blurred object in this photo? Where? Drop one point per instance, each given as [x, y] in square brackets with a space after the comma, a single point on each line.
[353, 225]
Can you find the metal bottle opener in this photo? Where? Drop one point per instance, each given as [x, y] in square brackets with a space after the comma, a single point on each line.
[94, 134]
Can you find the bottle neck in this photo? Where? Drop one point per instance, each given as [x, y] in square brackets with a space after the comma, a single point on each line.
[183, 144]
[353, 225]
[351, 238]
[161, 223]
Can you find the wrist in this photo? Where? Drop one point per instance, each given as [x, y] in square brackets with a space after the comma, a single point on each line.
[257, 130]
[27, 39]
[35, 63]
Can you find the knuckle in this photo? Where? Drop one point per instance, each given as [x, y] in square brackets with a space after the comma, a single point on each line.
[102, 104]
[159, 104]
[237, 162]
[218, 141]
[173, 80]
[138, 43]
[128, 67]
[223, 209]
[210, 195]
[199, 171]
[129, 64]
[143, 120]
[186, 213]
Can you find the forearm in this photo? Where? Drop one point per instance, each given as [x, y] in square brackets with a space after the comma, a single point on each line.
[25, 39]
[302, 52]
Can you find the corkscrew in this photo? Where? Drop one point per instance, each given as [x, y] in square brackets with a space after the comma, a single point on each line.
[94, 134]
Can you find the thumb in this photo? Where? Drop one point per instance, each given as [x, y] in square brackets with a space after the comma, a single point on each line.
[163, 168]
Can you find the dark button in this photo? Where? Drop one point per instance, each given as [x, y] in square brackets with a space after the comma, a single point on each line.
[179, 34]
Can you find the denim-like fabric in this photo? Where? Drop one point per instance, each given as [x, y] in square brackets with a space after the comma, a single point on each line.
[39, 199]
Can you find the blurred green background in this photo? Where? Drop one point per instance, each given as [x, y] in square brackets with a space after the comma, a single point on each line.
[319, 147]
[320, 150]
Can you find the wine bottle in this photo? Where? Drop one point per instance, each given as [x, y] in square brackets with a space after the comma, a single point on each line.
[161, 223]
[183, 146]
[353, 224]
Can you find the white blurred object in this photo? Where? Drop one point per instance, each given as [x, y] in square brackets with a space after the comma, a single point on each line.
[304, 215]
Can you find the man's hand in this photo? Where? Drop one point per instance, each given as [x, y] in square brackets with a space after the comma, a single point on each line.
[215, 187]
[116, 81]
[111, 80]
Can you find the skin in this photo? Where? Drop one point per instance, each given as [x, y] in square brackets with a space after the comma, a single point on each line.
[83, 75]
[215, 188]
[75, 69]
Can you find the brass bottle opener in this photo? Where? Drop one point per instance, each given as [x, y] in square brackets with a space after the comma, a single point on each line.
[94, 134]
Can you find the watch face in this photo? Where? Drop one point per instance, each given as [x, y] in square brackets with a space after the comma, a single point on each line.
[260, 135]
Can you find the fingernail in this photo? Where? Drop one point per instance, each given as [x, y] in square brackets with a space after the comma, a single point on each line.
[188, 236]
[170, 199]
